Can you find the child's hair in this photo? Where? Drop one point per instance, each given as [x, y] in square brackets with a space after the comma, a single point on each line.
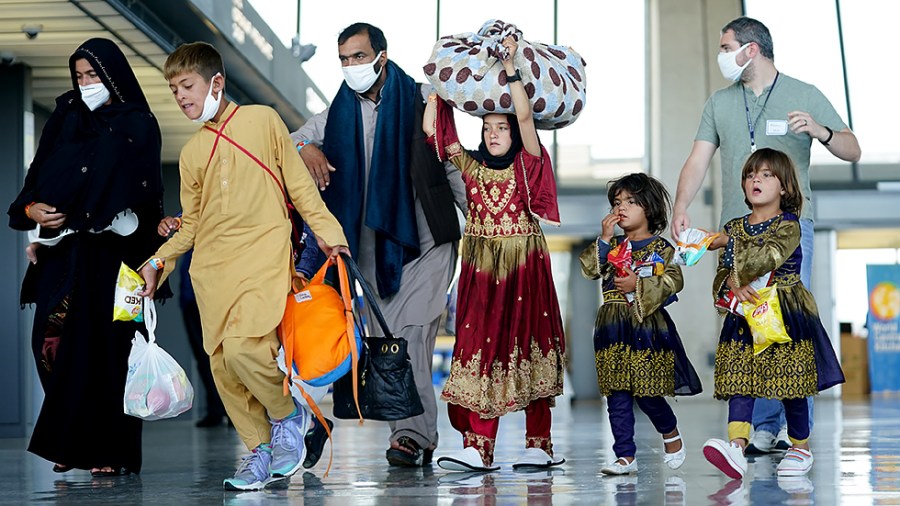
[649, 193]
[198, 57]
[783, 168]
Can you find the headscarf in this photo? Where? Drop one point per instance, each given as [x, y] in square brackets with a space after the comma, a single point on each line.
[91, 165]
[505, 160]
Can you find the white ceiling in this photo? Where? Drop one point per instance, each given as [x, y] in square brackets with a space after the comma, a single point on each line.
[65, 26]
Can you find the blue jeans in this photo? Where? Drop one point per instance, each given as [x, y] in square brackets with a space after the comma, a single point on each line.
[768, 414]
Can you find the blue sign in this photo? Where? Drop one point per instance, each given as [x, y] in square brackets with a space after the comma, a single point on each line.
[884, 327]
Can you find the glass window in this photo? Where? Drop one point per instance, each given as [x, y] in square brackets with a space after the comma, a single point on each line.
[870, 77]
[609, 137]
[809, 51]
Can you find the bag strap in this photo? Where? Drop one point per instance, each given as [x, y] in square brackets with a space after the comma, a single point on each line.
[347, 296]
[369, 295]
[220, 134]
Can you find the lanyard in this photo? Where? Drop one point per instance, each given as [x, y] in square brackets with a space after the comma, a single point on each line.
[751, 124]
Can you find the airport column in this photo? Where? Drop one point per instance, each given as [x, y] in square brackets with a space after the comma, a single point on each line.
[17, 148]
[583, 301]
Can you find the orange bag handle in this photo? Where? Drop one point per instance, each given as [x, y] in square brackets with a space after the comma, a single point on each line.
[288, 345]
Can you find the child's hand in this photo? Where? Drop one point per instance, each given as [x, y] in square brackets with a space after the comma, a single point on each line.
[719, 242]
[31, 252]
[167, 226]
[609, 224]
[628, 283]
[745, 293]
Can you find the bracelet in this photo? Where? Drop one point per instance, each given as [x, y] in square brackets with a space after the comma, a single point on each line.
[156, 263]
[830, 135]
[515, 77]
[28, 210]
[301, 144]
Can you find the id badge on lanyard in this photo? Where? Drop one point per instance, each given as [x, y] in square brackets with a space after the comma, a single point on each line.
[751, 124]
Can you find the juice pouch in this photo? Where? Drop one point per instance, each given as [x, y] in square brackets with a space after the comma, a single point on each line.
[128, 306]
[765, 320]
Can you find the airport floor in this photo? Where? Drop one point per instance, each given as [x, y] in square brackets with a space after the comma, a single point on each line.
[856, 445]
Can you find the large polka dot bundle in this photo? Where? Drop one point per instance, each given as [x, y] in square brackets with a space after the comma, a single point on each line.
[466, 71]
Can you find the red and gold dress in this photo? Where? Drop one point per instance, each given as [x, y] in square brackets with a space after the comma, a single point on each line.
[510, 348]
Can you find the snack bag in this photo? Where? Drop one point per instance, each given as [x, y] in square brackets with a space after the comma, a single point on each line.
[727, 301]
[128, 305]
[620, 257]
[692, 243]
[764, 319]
[652, 266]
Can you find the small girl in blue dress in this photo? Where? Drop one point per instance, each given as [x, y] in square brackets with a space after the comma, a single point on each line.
[639, 355]
[767, 241]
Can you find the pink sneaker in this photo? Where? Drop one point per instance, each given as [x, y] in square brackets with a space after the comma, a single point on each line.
[727, 457]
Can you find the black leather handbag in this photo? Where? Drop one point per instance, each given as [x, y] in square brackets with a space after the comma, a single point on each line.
[385, 383]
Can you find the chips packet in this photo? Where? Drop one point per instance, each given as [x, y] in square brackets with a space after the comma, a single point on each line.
[128, 304]
[765, 320]
[692, 243]
[620, 258]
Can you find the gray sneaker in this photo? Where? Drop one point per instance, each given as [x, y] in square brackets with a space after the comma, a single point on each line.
[252, 474]
[288, 449]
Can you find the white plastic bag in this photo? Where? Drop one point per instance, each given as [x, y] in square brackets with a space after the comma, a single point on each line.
[156, 386]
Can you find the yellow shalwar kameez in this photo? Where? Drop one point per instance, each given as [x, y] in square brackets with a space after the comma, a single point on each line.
[234, 216]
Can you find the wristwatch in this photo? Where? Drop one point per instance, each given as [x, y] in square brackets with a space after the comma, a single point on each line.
[513, 78]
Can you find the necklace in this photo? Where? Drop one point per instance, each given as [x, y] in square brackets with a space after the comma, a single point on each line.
[495, 200]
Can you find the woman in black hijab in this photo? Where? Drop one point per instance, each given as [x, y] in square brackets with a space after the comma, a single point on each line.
[98, 156]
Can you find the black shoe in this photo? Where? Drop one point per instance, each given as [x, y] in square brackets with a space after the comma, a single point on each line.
[209, 421]
[412, 458]
[314, 440]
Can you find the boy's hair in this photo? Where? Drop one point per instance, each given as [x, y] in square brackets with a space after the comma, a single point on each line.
[748, 30]
[376, 36]
[649, 193]
[198, 57]
[783, 168]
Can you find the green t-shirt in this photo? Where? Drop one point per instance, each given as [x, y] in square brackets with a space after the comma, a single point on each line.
[724, 123]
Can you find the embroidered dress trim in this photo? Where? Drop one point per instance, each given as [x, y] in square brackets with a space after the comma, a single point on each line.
[483, 444]
[507, 387]
[644, 373]
[782, 371]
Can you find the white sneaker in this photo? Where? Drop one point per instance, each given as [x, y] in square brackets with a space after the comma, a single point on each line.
[536, 457]
[761, 442]
[676, 459]
[620, 467]
[467, 459]
[796, 462]
[727, 457]
[782, 441]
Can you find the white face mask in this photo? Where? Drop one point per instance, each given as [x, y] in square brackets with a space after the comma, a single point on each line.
[360, 78]
[94, 95]
[211, 104]
[728, 64]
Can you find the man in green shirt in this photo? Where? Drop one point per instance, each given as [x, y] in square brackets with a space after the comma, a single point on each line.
[763, 108]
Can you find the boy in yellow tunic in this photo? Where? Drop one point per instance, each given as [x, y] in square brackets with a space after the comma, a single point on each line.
[234, 216]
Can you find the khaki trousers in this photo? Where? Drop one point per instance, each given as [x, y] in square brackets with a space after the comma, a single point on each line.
[251, 385]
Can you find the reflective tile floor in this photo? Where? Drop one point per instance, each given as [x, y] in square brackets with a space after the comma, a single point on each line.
[856, 446]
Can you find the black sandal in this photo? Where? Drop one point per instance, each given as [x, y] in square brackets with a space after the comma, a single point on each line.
[59, 468]
[402, 458]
